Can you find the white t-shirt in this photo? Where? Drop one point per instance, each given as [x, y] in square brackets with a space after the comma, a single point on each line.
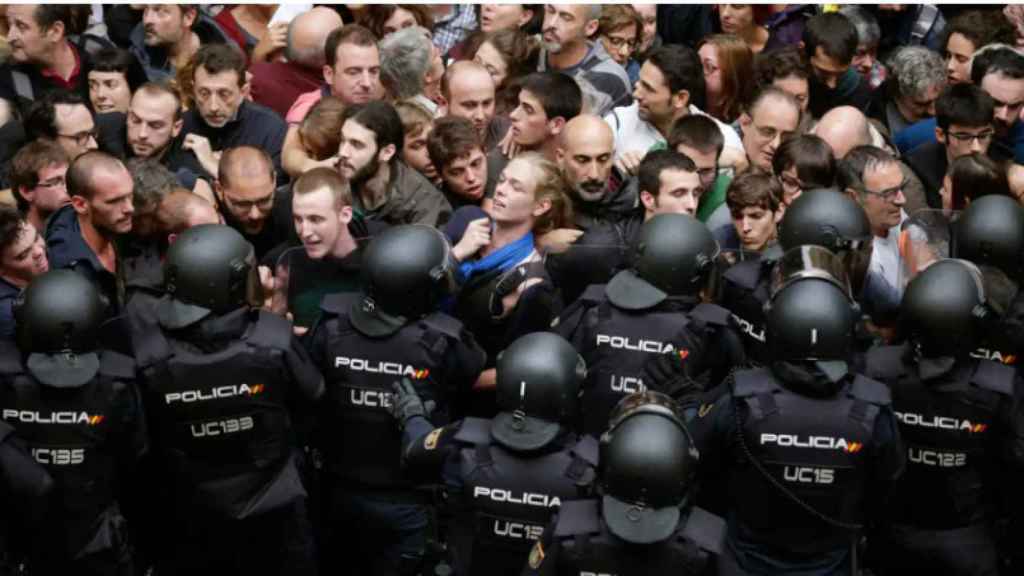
[635, 135]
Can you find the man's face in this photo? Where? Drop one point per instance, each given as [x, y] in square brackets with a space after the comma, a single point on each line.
[963, 140]
[501, 16]
[28, 41]
[958, 58]
[679, 193]
[415, 154]
[166, 24]
[472, 97]
[51, 193]
[755, 226]
[26, 257]
[707, 164]
[1008, 96]
[772, 121]
[653, 95]
[151, 124]
[514, 200]
[319, 222]
[218, 96]
[918, 108]
[864, 59]
[76, 131]
[796, 87]
[826, 69]
[357, 152]
[529, 122]
[883, 196]
[109, 92]
[466, 175]
[249, 198]
[564, 26]
[649, 14]
[355, 77]
[110, 208]
[587, 164]
[620, 44]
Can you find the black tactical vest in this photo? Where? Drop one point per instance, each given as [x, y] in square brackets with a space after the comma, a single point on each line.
[1005, 343]
[362, 445]
[818, 448]
[744, 292]
[508, 498]
[947, 428]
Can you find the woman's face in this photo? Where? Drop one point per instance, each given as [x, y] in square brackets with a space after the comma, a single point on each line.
[736, 18]
[488, 57]
[502, 17]
[712, 73]
[400, 19]
[514, 195]
[620, 44]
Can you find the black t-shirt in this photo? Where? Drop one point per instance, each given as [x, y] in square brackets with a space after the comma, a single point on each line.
[307, 281]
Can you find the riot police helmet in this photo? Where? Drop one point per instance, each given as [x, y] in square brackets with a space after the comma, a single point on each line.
[990, 232]
[539, 381]
[57, 322]
[209, 269]
[810, 318]
[674, 255]
[825, 217]
[407, 270]
[647, 468]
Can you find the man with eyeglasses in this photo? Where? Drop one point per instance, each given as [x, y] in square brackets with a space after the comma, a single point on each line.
[245, 191]
[37, 181]
[964, 124]
[64, 118]
[770, 118]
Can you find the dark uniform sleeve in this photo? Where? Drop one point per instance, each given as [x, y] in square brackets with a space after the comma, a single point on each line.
[543, 557]
[308, 379]
[713, 428]
[427, 452]
[569, 324]
[21, 473]
[1012, 425]
[465, 361]
[889, 460]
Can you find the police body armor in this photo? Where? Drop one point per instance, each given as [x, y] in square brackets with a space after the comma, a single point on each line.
[479, 302]
[363, 444]
[509, 498]
[221, 418]
[947, 429]
[744, 292]
[75, 433]
[1005, 343]
[587, 546]
[817, 447]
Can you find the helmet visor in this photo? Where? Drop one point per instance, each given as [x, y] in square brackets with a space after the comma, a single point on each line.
[812, 262]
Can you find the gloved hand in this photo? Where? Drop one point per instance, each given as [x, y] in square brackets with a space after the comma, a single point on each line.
[407, 403]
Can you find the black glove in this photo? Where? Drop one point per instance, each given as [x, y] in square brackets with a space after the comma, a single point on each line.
[407, 403]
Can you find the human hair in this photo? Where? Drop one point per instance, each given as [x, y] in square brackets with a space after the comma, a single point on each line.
[851, 169]
[83, 169]
[354, 34]
[964, 105]
[517, 49]
[980, 28]
[765, 93]
[217, 58]
[453, 70]
[558, 93]
[255, 160]
[834, 34]
[915, 69]
[811, 156]
[404, 62]
[551, 186]
[308, 57]
[996, 59]
[46, 15]
[381, 119]
[618, 16]
[788, 62]
[975, 175]
[452, 137]
[41, 120]
[736, 64]
[26, 164]
[152, 181]
[375, 15]
[161, 88]
[12, 224]
[654, 163]
[414, 117]
[698, 132]
[324, 177]
[120, 61]
[864, 23]
[320, 131]
[172, 214]
[753, 189]
[682, 70]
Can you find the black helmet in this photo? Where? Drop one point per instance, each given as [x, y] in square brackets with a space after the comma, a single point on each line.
[209, 268]
[407, 270]
[646, 468]
[674, 255]
[58, 318]
[539, 380]
[824, 217]
[810, 317]
[944, 309]
[991, 232]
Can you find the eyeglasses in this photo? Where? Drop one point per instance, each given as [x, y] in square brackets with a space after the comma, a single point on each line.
[262, 204]
[82, 138]
[618, 42]
[791, 182]
[967, 137]
[58, 182]
[889, 194]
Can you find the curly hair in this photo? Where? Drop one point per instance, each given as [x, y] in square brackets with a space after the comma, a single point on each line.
[915, 69]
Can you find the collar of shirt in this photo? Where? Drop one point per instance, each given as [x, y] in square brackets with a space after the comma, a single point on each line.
[54, 77]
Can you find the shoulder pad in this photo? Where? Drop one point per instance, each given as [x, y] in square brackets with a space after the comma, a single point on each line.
[445, 324]
[711, 314]
[587, 449]
[994, 376]
[117, 365]
[338, 304]
[870, 391]
[271, 331]
[152, 348]
[474, 431]
[753, 381]
[705, 529]
[885, 362]
[744, 274]
[578, 517]
[10, 358]
[594, 294]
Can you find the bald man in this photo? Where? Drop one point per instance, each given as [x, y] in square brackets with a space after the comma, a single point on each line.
[248, 200]
[277, 84]
[773, 116]
[586, 155]
[467, 91]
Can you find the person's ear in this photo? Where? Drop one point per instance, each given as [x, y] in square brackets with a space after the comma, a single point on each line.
[386, 154]
[555, 126]
[526, 16]
[442, 106]
[648, 200]
[745, 120]
[940, 135]
[218, 191]
[171, 238]
[541, 207]
[328, 75]
[560, 155]
[246, 88]
[345, 215]
[590, 28]
[28, 194]
[80, 204]
[176, 127]
[189, 16]
[681, 100]
[55, 32]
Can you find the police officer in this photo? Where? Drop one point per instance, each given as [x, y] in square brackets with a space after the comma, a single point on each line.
[958, 420]
[823, 217]
[645, 522]
[78, 412]
[224, 386]
[802, 441]
[24, 488]
[651, 311]
[363, 343]
[509, 474]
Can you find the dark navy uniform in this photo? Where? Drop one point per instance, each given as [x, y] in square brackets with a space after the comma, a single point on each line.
[744, 289]
[24, 487]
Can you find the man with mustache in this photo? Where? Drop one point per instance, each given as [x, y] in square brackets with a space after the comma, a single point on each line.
[169, 35]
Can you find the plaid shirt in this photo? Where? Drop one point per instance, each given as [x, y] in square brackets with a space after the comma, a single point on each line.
[455, 27]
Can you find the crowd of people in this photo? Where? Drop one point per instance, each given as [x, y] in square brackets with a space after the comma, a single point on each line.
[404, 289]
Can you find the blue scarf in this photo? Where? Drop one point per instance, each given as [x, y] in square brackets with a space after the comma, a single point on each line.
[502, 259]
